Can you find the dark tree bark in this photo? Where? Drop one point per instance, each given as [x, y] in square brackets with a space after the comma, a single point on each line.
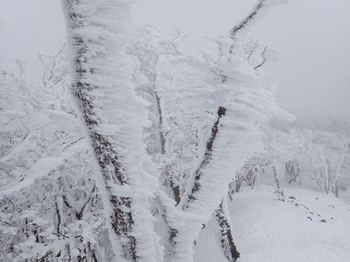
[222, 219]
[113, 172]
[196, 184]
[248, 19]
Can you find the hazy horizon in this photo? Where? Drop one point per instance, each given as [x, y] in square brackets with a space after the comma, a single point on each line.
[312, 36]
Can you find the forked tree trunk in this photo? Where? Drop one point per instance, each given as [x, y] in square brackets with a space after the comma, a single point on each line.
[181, 237]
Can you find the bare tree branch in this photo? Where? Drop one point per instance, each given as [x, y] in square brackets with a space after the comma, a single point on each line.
[248, 19]
[264, 59]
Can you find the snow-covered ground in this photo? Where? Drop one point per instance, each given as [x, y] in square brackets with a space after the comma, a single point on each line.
[307, 227]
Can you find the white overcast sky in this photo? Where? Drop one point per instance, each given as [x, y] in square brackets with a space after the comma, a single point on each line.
[313, 37]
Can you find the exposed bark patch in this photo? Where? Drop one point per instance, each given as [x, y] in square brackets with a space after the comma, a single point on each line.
[123, 222]
[160, 122]
[58, 214]
[248, 19]
[206, 159]
[107, 157]
[226, 239]
[176, 190]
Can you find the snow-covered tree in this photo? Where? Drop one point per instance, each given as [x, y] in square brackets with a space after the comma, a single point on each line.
[50, 209]
[139, 161]
[189, 135]
[114, 118]
[326, 144]
[310, 152]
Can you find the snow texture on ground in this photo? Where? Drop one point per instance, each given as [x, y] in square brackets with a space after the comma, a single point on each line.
[307, 227]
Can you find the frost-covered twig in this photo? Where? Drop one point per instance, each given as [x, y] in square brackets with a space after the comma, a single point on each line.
[248, 19]
[264, 59]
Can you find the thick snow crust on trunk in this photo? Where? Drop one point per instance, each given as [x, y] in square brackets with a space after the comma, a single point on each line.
[239, 106]
[115, 117]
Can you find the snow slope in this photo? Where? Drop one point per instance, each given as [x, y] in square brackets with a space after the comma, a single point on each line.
[308, 226]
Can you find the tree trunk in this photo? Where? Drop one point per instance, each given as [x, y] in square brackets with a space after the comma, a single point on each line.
[224, 229]
[96, 29]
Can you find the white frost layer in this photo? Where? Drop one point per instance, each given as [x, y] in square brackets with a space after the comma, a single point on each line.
[98, 34]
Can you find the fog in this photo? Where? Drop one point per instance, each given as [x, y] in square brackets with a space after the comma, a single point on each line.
[313, 37]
